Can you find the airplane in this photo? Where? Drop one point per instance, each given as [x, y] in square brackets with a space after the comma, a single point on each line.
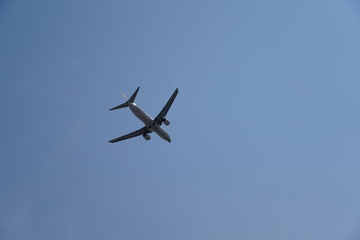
[151, 125]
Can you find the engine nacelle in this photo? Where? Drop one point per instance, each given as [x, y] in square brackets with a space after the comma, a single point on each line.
[166, 122]
[147, 137]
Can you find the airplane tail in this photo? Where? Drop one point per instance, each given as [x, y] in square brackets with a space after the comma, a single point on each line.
[125, 104]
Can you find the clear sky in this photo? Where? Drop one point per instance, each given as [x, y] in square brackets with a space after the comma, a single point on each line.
[265, 128]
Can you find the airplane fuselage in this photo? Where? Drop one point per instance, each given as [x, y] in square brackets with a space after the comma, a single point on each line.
[149, 121]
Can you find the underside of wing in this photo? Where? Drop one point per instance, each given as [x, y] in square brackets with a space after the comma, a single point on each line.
[164, 111]
[130, 135]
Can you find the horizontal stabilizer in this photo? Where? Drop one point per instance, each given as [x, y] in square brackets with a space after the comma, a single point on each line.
[120, 106]
[132, 98]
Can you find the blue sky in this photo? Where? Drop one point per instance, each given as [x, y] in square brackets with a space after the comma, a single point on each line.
[265, 128]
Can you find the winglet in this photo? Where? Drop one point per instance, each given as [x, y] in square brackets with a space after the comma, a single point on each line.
[132, 98]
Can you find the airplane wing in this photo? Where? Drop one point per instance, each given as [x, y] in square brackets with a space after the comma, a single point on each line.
[162, 114]
[130, 135]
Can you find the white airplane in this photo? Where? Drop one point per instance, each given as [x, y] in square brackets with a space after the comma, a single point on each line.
[151, 125]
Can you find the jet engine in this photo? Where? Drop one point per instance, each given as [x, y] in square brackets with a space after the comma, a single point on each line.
[147, 137]
[166, 122]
